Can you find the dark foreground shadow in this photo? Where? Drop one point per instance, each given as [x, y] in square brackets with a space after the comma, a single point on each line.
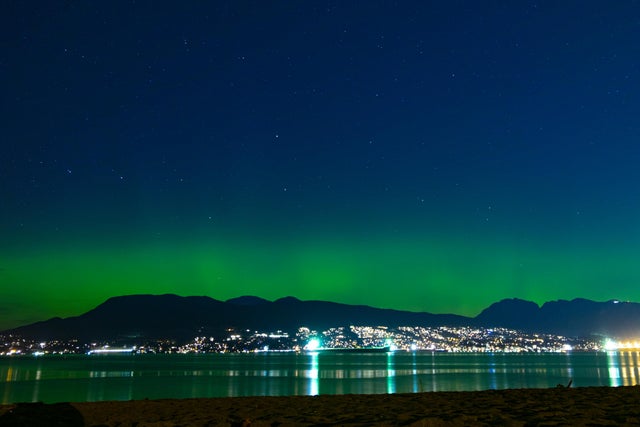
[40, 414]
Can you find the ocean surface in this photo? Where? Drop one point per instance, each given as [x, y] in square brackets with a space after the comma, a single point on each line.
[125, 377]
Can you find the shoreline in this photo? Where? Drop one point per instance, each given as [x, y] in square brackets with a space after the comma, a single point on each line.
[552, 406]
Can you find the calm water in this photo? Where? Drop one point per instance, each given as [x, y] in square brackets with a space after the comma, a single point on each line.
[91, 378]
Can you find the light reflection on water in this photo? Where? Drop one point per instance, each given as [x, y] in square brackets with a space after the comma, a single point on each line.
[124, 377]
[623, 368]
[313, 374]
[391, 373]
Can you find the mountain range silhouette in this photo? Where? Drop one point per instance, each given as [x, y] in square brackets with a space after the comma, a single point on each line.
[177, 317]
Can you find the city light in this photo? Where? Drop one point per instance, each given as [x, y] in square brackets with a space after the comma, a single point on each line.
[628, 345]
[313, 344]
[352, 338]
[390, 344]
[610, 345]
[111, 350]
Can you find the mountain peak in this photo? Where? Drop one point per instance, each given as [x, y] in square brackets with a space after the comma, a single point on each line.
[512, 303]
[521, 313]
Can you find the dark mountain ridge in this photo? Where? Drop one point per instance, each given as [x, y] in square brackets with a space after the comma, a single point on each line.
[172, 316]
[578, 317]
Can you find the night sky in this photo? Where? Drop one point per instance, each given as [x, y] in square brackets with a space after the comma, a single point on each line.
[428, 156]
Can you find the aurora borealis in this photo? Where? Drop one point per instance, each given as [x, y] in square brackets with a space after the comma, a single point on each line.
[421, 156]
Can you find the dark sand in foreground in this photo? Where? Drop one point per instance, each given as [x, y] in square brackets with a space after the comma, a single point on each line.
[556, 406]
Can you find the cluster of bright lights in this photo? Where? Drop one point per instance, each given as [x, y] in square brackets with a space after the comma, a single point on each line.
[611, 345]
[111, 350]
[630, 345]
[390, 344]
[312, 345]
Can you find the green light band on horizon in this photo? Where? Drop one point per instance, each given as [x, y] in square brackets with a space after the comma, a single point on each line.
[417, 274]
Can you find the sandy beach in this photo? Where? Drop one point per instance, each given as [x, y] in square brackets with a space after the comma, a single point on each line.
[520, 407]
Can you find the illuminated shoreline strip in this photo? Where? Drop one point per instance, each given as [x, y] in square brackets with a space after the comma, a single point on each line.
[111, 350]
[611, 345]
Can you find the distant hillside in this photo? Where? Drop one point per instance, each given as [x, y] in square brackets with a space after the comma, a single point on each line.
[172, 316]
[571, 318]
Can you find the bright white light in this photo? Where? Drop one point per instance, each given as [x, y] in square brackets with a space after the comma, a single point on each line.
[313, 344]
[567, 347]
[611, 345]
[414, 347]
[111, 350]
[389, 343]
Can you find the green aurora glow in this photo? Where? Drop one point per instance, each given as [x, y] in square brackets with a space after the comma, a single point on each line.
[412, 273]
[428, 156]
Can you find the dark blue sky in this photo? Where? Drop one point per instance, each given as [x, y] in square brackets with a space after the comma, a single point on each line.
[504, 128]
